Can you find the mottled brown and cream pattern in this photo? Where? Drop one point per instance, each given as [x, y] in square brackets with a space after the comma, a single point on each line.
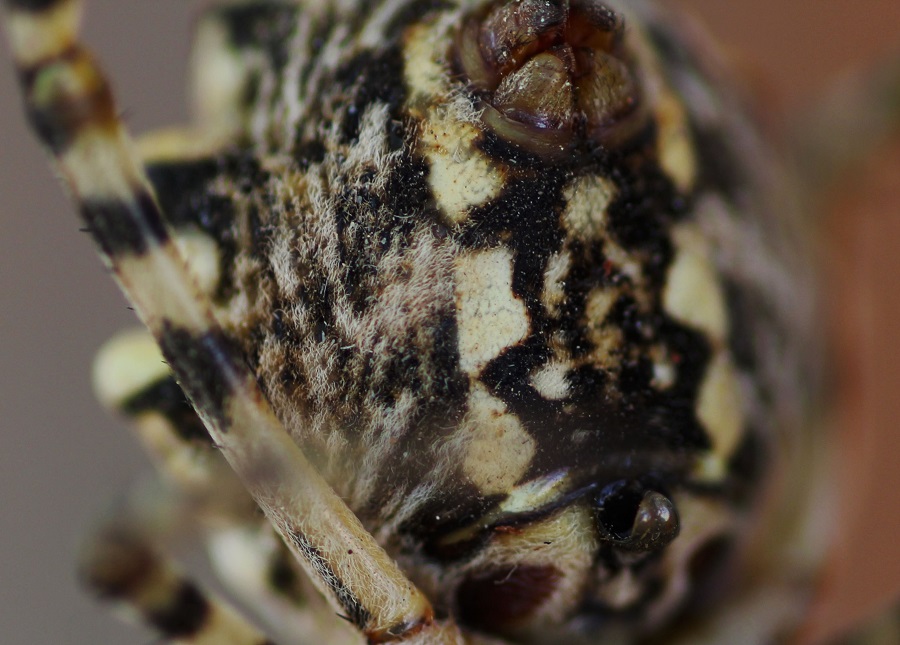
[518, 280]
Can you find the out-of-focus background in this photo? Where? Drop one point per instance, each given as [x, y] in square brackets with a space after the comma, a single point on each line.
[62, 459]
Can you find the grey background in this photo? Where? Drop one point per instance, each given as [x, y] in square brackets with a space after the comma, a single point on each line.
[62, 459]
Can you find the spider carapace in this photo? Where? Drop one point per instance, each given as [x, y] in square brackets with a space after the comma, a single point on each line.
[497, 309]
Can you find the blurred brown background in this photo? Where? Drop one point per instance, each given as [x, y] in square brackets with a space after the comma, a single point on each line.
[62, 459]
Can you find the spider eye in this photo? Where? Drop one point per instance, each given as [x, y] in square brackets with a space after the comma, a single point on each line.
[547, 71]
[634, 517]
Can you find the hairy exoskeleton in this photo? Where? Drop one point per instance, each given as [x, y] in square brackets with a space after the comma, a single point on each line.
[493, 308]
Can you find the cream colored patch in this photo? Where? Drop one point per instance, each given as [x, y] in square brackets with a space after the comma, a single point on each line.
[462, 177]
[178, 144]
[126, 365]
[535, 493]
[693, 294]
[607, 339]
[100, 166]
[663, 375]
[627, 263]
[499, 449]
[550, 381]
[202, 255]
[674, 144]
[554, 293]
[187, 465]
[162, 285]
[218, 78]
[243, 558]
[586, 217]
[523, 498]
[587, 200]
[490, 317]
[38, 36]
[664, 371]
[720, 410]
[599, 303]
[621, 590]
[426, 75]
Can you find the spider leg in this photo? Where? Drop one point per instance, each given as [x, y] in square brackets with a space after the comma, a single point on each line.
[131, 378]
[71, 109]
[123, 563]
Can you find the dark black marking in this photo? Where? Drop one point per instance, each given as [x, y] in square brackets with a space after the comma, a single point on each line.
[265, 25]
[206, 366]
[498, 148]
[59, 122]
[164, 396]
[34, 6]
[217, 196]
[589, 269]
[744, 310]
[184, 615]
[353, 608]
[720, 171]
[309, 152]
[117, 563]
[282, 574]
[414, 12]
[711, 569]
[374, 222]
[123, 228]
[645, 206]
[623, 424]
[526, 217]
[747, 466]
[370, 78]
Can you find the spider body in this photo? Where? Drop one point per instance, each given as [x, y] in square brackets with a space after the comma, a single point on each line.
[528, 299]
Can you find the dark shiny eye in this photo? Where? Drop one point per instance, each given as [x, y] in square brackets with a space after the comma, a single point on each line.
[548, 71]
[635, 517]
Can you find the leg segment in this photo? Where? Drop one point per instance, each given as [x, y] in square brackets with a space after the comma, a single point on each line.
[122, 564]
[70, 105]
[131, 378]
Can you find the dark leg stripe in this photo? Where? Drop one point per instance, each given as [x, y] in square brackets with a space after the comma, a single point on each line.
[204, 362]
[121, 566]
[118, 565]
[354, 610]
[184, 615]
[125, 227]
[58, 116]
[167, 398]
[33, 6]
